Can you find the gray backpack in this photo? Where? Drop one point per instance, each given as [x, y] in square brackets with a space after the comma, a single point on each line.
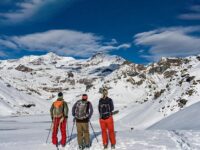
[81, 111]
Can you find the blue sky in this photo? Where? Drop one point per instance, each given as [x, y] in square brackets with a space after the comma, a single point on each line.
[141, 31]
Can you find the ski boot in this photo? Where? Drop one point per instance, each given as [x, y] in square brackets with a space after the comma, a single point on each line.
[87, 147]
[105, 147]
[113, 146]
[81, 147]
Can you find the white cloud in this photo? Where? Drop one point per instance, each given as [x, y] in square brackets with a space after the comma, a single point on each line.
[176, 41]
[111, 47]
[65, 42]
[24, 10]
[192, 14]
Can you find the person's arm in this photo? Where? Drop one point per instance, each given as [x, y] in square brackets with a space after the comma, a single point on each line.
[111, 105]
[66, 110]
[99, 106]
[90, 110]
[51, 111]
[74, 109]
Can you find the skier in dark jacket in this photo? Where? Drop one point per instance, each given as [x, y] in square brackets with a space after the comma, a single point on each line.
[82, 112]
[59, 115]
[106, 108]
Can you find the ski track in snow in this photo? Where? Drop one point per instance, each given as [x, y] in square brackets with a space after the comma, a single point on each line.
[181, 140]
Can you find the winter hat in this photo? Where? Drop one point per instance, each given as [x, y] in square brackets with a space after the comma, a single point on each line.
[84, 97]
[60, 95]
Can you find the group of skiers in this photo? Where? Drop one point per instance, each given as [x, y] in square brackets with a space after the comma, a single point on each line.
[82, 112]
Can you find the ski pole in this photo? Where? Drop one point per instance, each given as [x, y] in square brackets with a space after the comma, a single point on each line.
[67, 129]
[49, 132]
[94, 132]
[71, 132]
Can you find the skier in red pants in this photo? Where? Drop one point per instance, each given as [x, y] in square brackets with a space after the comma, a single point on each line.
[106, 120]
[59, 115]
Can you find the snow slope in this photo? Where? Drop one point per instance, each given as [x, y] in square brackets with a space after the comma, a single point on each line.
[186, 119]
[30, 132]
[14, 102]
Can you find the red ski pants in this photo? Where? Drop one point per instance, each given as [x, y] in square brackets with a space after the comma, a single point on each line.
[56, 124]
[108, 124]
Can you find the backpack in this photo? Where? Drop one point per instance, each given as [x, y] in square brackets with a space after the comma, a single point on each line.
[81, 111]
[58, 108]
[105, 111]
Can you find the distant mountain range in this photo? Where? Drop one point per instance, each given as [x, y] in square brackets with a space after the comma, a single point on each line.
[142, 94]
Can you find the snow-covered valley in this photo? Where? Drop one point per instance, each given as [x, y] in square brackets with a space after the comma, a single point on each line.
[30, 132]
[157, 104]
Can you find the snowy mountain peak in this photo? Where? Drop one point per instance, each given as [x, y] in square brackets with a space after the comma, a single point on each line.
[106, 59]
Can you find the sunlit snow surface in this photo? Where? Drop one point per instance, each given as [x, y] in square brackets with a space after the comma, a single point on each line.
[30, 133]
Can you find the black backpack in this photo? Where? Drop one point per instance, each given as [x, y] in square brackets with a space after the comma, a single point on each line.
[81, 111]
[105, 111]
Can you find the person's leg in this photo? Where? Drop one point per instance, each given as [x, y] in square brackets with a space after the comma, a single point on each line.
[63, 132]
[86, 134]
[79, 133]
[55, 131]
[104, 131]
[111, 130]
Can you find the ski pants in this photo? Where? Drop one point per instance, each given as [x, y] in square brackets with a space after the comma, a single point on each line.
[83, 135]
[108, 125]
[56, 125]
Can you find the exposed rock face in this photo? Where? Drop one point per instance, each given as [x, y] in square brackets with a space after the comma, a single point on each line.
[182, 102]
[141, 67]
[171, 62]
[132, 74]
[23, 68]
[198, 57]
[52, 90]
[28, 105]
[165, 64]
[170, 74]
[158, 69]
[189, 79]
[158, 93]
[86, 81]
[70, 75]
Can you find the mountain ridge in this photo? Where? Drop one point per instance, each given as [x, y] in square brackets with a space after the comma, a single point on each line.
[160, 89]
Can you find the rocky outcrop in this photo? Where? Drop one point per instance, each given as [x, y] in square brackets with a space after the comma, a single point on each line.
[70, 75]
[23, 68]
[170, 74]
[182, 102]
[52, 90]
[158, 93]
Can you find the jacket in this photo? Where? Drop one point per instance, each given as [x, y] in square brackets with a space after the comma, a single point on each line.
[107, 101]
